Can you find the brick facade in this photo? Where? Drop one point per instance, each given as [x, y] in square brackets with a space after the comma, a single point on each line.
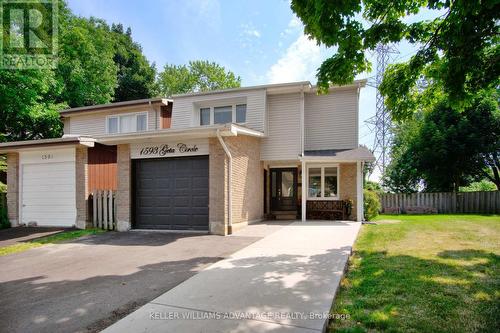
[123, 195]
[13, 188]
[247, 183]
[347, 186]
[81, 188]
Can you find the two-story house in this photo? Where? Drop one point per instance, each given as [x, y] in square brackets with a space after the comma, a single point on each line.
[210, 161]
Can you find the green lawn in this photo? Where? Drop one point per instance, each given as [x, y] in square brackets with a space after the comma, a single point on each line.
[434, 273]
[52, 239]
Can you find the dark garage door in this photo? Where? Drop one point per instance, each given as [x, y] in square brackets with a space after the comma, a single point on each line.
[172, 193]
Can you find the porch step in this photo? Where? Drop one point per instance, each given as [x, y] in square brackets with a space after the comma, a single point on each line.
[285, 215]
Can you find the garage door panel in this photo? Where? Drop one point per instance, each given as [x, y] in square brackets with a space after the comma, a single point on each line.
[48, 194]
[177, 195]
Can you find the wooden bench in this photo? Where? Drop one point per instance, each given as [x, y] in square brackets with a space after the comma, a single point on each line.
[326, 210]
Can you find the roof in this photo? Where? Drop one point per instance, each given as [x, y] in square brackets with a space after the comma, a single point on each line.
[357, 154]
[274, 86]
[65, 140]
[100, 107]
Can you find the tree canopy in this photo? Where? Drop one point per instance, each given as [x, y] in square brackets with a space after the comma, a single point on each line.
[199, 75]
[96, 64]
[443, 149]
[459, 48]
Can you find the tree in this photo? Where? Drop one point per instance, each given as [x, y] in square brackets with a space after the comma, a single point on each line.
[136, 77]
[461, 45]
[447, 148]
[196, 76]
[86, 67]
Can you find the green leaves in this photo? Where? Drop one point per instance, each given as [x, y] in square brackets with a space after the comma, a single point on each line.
[197, 76]
[463, 40]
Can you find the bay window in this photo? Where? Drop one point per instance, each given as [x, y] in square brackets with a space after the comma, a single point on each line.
[322, 182]
[127, 123]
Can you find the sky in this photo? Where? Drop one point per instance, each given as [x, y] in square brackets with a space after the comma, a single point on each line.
[262, 41]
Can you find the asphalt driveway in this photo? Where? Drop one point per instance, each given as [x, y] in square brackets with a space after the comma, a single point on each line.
[87, 284]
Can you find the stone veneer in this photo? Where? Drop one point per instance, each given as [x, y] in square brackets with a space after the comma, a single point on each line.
[82, 191]
[123, 195]
[13, 188]
[347, 185]
[247, 180]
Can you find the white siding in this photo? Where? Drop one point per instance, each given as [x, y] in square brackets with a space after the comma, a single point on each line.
[331, 121]
[185, 114]
[94, 123]
[283, 141]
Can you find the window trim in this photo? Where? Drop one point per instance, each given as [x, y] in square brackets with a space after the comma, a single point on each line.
[212, 113]
[322, 167]
[118, 115]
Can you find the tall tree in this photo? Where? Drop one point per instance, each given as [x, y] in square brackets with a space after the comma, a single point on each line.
[136, 77]
[446, 148]
[198, 75]
[86, 66]
[461, 44]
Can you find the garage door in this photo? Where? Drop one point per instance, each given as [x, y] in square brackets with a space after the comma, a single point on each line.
[171, 193]
[48, 194]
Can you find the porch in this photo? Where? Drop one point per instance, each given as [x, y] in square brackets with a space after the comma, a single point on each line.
[320, 185]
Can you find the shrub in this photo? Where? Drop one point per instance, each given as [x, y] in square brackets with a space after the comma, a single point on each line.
[4, 219]
[371, 204]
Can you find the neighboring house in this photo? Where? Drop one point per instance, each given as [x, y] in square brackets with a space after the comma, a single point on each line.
[212, 161]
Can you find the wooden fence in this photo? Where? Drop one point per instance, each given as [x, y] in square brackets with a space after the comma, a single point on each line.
[103, 209]
[487, 202]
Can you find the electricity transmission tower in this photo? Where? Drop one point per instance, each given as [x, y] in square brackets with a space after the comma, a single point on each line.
[381, 122]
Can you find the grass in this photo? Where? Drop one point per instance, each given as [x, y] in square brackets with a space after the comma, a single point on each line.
[51, 239]
[432, 273]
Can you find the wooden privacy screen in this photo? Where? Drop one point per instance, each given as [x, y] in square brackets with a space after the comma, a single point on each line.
[102, 167]
[166, 115]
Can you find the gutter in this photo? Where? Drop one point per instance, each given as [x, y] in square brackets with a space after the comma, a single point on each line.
[229, 180]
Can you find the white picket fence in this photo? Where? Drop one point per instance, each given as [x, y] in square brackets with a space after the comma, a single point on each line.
[104, 209]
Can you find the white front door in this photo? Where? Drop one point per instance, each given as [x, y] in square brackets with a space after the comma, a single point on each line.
[48, 194]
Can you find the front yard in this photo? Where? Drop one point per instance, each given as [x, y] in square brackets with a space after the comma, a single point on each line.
[435, 273]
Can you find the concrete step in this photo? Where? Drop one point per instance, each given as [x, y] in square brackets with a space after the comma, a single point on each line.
[285, 215]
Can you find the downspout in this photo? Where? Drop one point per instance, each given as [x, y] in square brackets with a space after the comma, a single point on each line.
[229, 190]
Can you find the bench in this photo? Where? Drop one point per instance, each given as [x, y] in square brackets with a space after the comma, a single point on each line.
[327, 210]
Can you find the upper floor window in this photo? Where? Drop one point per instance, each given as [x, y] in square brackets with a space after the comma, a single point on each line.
[205, 116]
[241, 113]
[127, 123]
[223, 114]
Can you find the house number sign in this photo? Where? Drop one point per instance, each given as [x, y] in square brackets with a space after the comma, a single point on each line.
[162, 150]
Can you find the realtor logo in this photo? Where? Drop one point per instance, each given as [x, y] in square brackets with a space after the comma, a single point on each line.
[28, 31]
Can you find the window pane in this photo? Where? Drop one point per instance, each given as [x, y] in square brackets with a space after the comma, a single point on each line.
[205, 116]
[113, 125]
[330, 182]
[241, 113]
[223, 115]
[127, 124]
[287, 184]
[315, 182]
[141, 122]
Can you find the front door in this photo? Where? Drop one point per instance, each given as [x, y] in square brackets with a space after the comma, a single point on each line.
[284, 189]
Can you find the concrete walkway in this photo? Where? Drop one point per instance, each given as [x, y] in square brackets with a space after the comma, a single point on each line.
[284, 282]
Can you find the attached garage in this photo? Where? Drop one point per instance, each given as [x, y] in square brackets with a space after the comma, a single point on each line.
[47, 183]
[171, 193]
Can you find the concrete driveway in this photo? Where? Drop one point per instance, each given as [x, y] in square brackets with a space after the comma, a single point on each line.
[88, 284]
